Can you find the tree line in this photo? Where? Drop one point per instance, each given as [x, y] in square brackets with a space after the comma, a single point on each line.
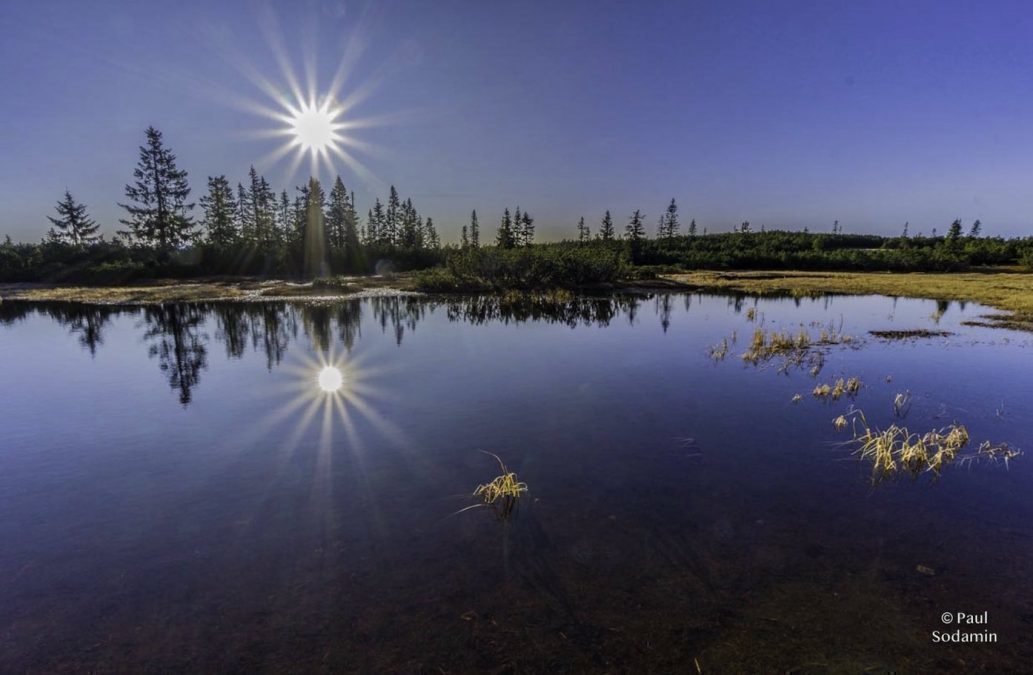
[251, 229]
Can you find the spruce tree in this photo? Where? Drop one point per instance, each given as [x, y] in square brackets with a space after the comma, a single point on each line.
[219, 211]
[430, 234]
[635, 231]
[463, 241]
[245, 221]
[409, 234]
[158, 198]
[671, 224]
[505, 238]
[73, 223]
[394, 207]
[606, 232]
[526, 229]
[582, 230]
[337, 214]
[977, 227]
[377, 226]
[954, 233]
[283, 224]
[692, 228]
[475, 231]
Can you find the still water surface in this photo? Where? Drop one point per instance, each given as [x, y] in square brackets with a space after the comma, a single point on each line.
[177, 492]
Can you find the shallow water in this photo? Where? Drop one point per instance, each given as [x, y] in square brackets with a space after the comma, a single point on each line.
[177, 493]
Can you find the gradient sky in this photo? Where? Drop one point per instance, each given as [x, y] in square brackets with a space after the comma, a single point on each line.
[783, 113]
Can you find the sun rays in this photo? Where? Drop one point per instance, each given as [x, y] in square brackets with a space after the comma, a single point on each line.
[311, 121]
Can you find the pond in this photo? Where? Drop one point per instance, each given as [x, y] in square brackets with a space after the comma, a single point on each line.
[180, 489]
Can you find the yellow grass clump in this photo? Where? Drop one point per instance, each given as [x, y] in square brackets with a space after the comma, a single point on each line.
[504, 487]
[897, 448]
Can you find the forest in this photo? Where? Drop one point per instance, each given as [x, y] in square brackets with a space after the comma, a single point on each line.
[252, 230]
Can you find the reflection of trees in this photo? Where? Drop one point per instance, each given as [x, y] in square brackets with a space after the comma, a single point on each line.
[400, 312]
[86, 321]
[12, 311]
[270, 327]
[179, 344]
[316, 319]
[349, 318]
[176, 336]
[571, 310]
[273, 326]
[663, 310]
[234, 327]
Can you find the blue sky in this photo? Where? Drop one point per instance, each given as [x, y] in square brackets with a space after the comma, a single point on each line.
[782, 113]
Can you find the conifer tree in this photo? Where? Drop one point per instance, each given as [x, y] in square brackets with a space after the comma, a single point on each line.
[157, 212]
[409, 232]
[582, 230]
[376, 223]
[390, 228]
[954, 233]
[337, 214]
[73, 223]
[475, 231]
[976, 228]
[606, 232]
[692, 228]
[505, 238]
[526, 229]
[430, 234]
[670, 220]
[635, 230]
[283, 224]
[245, 222]
[219, 211]
[464, 242]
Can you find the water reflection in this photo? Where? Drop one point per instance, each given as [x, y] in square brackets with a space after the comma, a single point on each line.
[179, 335]
[176, 337]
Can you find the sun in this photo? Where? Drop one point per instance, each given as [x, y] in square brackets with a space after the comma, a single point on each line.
[330, 379]
[314, 128]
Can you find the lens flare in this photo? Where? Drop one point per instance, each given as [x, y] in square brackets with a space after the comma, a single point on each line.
[330, 379]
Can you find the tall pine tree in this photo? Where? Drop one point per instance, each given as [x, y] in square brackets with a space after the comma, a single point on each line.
[219, 211]
[606, 232]
[157, 212]
[475, 231]
[635, 231]
[505, 237]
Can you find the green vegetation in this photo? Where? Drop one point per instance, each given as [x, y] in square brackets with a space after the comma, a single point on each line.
[563, 265]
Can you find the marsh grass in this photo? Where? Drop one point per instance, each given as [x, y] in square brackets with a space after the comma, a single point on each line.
[503, 487]
[797, 349]
[838, 389]
[1006, 289]
[719, 351]
[897, 449]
